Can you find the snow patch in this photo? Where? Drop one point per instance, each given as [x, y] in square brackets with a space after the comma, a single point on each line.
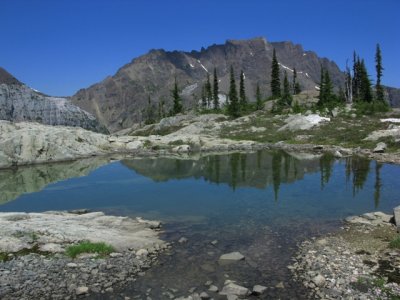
[251, 54]
[285, 67]
[391, 120]
[317, 87]
[202, 66]
[307, 74]
[191, 65]
[304, 54]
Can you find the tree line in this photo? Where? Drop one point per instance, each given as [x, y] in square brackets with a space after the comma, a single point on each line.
[357, 89]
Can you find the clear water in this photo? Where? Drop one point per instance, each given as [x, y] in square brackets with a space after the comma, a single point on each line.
[261, 204]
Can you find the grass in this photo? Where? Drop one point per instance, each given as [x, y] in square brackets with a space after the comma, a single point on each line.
[3, 256]
[101, 249]
[343, 130]
[395, 243]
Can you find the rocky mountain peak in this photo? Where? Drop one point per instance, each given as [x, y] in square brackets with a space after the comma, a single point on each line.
[7, 78]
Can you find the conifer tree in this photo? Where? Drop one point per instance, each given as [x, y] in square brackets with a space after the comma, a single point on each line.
[356, 77]
[275, 80]
[296, 85]
[203, 97]
[286, 99]
[233, 108]
[177, 102]
[365, 91]
[215, 90]
[326, 89]
[242, 93]
[209, 95]
[161, 109]
[379, 89]
[150, 112]
[258, 98]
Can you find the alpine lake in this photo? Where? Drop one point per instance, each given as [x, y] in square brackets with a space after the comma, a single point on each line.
[262, 204]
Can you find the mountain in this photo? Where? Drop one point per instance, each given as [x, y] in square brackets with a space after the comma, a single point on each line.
[119, 101]
[19, 102]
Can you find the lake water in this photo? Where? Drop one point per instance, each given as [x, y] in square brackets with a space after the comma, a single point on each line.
[261, 204]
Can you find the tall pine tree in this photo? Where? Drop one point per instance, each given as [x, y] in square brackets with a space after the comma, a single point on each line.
[209, 95]
[233, 108]
[378, 60]
[177, 102]
[296, 85]
[365, 91]
[215, 90]
[275, 80]
[326, 95]
[203, 97]
[286, 99]
[258, 98]
[242, 93]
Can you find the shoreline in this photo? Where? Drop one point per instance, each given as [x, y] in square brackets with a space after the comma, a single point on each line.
[35, 261]
[357, 262]
[316, 149]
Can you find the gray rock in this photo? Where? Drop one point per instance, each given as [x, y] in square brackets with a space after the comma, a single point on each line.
[319, 280]
[81, 290]
[231, 257]
[396, 211]
[213, 288]
[380, 148]
[204, 295]
[231, 288]
[259, 289]
[182, 240]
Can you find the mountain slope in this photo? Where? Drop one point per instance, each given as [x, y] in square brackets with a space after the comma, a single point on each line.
[118, 101]
[19, 102]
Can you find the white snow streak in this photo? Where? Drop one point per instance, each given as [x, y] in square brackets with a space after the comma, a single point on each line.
[307, 75]
[304, 54]
[202, 66]
[391, 120]
[191, 66]
[287, 68]
[317, 88]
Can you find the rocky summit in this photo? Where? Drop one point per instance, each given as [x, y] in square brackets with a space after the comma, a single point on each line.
[19, 102]
[119, 101]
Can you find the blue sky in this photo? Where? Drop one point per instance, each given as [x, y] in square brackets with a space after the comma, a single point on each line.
[61, 46]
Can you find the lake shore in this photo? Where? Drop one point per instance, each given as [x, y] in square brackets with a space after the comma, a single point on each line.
[361, 261]
[36, 260]
[342, 134]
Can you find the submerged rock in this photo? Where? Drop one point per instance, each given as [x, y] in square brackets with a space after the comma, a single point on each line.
[230, 257]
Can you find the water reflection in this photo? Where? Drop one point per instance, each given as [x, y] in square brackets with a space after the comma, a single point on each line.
[24, 180]
[259, 170]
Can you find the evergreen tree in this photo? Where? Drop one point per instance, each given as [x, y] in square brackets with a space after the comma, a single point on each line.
[356, 77]
[275, 80]
[177, 102]
[233, 108]
[296, 85]
[379, 89]
[326, 89]
[161, 109]
[286, 99]
[203, 97]
[258, 98]
[242, 93]
[209, 95]
[215, 90]
[150, 112]
[365, 91]
[348, 85]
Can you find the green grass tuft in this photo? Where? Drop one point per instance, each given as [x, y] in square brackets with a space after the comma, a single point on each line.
[88, 247]
[395, 243]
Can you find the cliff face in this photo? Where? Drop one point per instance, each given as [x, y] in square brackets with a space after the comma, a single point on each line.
[19, 102]
[118, 101]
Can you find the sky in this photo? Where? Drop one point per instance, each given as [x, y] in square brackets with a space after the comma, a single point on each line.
[59, 47]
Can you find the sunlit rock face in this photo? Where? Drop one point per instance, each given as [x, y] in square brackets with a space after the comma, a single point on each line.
[19, 102]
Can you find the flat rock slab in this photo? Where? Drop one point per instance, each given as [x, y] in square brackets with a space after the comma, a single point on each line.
[396, 211]
[230, 257]
[57, 230]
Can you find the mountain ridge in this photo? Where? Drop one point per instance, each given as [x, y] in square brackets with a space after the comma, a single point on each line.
[119, 100]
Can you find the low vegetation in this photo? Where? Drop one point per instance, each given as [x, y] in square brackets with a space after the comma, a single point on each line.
[395, 243]
[101, 249]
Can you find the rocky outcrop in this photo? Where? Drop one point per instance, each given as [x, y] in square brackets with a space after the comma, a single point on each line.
[25, 273]
[19, 103]
[118, 101]
[25, 143]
